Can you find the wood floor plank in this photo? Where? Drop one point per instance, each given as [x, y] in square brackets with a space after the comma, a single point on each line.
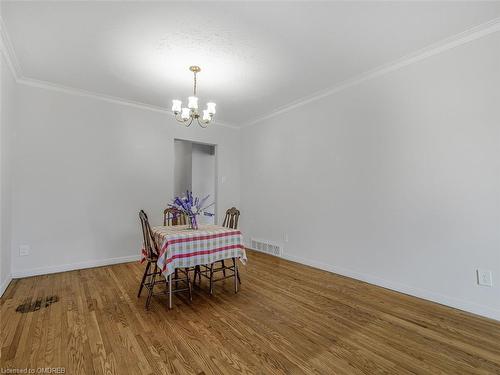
[286, 319]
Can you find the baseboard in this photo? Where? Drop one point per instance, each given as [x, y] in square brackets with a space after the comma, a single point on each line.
[4, 285]
[73, 266]
[402, 288]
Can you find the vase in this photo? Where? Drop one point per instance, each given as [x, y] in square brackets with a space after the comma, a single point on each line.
[193, 224]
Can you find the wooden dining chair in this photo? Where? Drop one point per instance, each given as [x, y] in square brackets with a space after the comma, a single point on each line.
[172, 216]
[209, 271]
[230, 221]
[152, 274]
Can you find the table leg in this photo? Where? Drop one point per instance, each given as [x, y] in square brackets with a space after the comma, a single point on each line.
[211, 279]
[235, 262]
[197, 271]
[170, 291]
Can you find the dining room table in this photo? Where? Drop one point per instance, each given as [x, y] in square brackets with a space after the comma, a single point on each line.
[180, 246]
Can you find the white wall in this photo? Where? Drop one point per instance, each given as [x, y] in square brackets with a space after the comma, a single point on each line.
[395, 181]
[7, 96]
[183, 167]
[203, 172]
[84, 167]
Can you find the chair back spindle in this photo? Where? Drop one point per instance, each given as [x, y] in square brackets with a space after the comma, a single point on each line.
[172, 216]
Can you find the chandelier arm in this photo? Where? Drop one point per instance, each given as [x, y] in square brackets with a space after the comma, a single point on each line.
[188, 124]
[179, 119]
[203, 124]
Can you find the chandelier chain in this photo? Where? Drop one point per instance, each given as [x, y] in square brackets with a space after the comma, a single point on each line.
[194, 90]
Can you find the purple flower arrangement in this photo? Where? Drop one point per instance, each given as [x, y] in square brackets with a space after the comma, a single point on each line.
[192, 207]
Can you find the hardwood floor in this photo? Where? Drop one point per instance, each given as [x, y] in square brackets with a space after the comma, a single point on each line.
[286, 319]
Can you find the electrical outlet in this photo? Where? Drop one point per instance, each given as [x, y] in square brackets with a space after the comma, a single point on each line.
[24, 250]
[484, 278]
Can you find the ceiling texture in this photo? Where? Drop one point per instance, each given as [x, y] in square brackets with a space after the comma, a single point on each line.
[255, 57]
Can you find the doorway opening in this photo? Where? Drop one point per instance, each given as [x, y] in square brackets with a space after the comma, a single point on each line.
[195, 170]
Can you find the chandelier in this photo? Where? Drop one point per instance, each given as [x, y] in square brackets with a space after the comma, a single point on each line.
[186, 115]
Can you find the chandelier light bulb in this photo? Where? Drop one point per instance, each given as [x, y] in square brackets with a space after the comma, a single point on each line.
[186, 114]
[193, 102]
[211, 108]
[206, 115]
[176, 106]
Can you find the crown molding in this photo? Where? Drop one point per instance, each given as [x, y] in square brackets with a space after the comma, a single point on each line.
[8, 52]
[108, 98]
[457, 40]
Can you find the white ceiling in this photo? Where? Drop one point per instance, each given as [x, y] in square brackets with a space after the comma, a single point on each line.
[255, 56]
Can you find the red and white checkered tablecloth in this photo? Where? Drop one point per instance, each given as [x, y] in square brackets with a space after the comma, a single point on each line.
[181, 247]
